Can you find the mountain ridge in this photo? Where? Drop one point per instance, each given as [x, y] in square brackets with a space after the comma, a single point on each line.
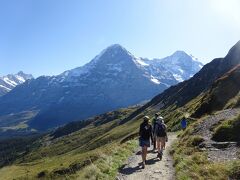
[113, 79]
[202, 80]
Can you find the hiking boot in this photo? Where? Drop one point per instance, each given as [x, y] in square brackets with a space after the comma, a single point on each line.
[159, 155]
[143, 165]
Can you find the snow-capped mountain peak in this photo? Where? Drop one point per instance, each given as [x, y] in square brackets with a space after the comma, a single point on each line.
[180, 64]
[115, 59]
[112, 58]
[10, 81]
[112, 51]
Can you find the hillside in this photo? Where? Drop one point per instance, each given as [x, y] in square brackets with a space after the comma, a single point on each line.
[62, 154]
[211, 142]
[223, 93]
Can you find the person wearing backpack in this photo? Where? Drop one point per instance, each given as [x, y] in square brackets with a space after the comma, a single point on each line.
[161, 136]
[154, 121]
[145, 133]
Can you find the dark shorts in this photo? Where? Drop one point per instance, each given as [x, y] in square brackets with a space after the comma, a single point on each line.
[143, 142]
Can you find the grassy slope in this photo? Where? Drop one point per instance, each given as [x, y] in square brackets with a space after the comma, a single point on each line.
[97, 150]
[224, 93]
[83, 149]
[192, 163]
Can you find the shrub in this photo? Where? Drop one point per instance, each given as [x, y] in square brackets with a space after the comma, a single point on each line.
[228, 130]
[195, 140]
[42, 174]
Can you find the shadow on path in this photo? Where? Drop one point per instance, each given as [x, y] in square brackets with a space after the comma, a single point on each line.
[149, 151]
[130, 170]
[152, 161]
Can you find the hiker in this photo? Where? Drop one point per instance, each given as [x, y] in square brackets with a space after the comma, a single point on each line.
[166, 140]
[154, 121]
[145, 134]
[161, 136]
[184, 123]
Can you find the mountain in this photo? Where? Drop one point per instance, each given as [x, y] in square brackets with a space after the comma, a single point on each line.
[187, 98]
[113, 79]
[183, 92]
[212, 136]
[7, 83]
[180, 64]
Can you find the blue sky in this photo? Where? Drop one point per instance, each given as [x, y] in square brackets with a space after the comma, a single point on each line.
[47, 37]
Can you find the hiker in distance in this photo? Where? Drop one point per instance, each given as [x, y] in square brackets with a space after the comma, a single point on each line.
[145, 134]
[160, 132]
[184, 123]
[154, 121]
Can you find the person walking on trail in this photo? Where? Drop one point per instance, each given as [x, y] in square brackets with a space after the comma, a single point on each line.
[145, 134]
[161, 136]
[184, 123]
[154, 121]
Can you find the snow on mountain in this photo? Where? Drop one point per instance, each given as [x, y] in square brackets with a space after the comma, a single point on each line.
[170, 70]
[113, 79]
[10, 81]
[180, 64]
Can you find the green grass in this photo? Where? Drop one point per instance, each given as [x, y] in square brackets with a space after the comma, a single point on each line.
[106, 167]
[107, 159]
[16, 121]
[192, 163]
[21, 125]
[103, 145]
[228, 130]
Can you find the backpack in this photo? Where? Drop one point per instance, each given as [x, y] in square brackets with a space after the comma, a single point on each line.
[145, 131]
[160, 130]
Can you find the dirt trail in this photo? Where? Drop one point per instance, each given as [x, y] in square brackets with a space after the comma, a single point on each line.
[155, 169]
[217, 151]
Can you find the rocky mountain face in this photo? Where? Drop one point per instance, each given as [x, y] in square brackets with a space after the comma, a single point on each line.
[10, 81]
[113, 79]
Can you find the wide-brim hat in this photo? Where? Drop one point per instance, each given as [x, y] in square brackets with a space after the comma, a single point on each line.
[146, 118]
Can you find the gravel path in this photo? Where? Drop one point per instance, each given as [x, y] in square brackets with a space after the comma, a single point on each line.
[218, 151]
[155, 169]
